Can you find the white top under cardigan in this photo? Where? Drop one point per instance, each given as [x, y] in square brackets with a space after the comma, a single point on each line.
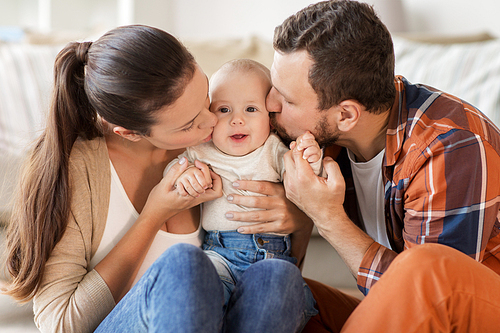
[72, 297]
[121, 216]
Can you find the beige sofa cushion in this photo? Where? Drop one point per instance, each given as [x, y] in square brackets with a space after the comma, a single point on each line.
[212, 54]
[470, 71]
[25, 84]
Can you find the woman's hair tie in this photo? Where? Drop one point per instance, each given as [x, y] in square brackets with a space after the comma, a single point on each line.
[82, 50]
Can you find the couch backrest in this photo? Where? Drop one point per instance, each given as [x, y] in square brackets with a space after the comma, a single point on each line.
[470, 71]
[25, 85]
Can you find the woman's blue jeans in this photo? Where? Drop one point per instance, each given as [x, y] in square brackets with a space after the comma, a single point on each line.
[182, 292]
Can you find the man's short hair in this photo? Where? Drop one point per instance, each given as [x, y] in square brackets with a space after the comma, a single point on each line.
[351, 49]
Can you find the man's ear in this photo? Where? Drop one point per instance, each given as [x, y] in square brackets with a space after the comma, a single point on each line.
[349, 113]
[127, 134]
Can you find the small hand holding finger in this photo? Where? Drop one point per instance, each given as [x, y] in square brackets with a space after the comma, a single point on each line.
[299, 178]
[189, 181]
[164, 200]
[205, 178]
[305, 140]
[215, 191]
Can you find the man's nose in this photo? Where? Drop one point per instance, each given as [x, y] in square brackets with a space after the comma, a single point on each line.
[272, 101]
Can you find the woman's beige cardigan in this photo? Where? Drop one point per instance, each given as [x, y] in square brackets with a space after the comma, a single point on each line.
[71, 299]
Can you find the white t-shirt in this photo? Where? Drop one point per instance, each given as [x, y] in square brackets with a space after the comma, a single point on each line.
[369, 186]
[121, 216]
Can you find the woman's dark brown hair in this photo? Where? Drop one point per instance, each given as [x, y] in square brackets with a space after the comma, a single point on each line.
[351, 49]
[123, 77]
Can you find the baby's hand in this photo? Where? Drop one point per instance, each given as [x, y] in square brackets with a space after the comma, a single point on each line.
[194, 181]
[309, 147]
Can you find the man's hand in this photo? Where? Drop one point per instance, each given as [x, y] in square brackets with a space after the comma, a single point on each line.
[314, 195]
[276, 214]
[322, 200]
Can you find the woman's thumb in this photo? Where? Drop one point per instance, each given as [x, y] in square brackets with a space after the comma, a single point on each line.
[176, 170]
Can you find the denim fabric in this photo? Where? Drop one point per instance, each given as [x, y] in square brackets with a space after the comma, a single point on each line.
[180, 292]
[233, 253]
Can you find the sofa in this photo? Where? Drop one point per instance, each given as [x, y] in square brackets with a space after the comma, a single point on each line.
[467, 66]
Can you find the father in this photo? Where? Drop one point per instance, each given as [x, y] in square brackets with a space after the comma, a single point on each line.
[417, 166]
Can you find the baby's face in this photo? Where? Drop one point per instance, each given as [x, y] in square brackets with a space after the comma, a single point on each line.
[238, 99]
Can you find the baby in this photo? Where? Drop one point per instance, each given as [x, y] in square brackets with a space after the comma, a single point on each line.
[242, 147]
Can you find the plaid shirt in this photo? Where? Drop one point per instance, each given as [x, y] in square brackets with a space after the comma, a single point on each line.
[442, 180]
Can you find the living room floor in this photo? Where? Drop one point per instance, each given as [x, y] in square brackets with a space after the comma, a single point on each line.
[19, 319]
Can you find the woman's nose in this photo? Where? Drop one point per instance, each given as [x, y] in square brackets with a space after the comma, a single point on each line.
[272, 101]
[210, 121]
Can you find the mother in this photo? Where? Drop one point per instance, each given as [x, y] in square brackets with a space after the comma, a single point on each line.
[92, 203]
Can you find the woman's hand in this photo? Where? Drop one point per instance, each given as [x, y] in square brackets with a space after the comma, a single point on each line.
[165, 200]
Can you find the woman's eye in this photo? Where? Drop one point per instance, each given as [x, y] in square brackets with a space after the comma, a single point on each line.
[251, 109]
[224, 110]
[188, 128]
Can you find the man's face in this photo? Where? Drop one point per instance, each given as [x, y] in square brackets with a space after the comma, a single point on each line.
[292, 102]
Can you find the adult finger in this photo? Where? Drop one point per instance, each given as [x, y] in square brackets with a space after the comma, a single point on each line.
[216, 190]
[175, 171]
[277, 227]
[332, 169]
[258, 186]
[259, 215]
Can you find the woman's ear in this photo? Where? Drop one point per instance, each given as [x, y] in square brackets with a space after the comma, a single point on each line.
[127, 134]
[349, 114]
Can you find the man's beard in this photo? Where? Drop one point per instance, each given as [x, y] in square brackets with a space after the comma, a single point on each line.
[324, 136]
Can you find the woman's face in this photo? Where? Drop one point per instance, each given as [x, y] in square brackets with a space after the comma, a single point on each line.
[188, 121]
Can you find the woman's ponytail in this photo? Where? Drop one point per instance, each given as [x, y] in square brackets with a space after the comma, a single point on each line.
[41, 207]
[125, 76]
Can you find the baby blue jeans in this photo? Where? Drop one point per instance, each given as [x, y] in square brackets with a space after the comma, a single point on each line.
[233, 253]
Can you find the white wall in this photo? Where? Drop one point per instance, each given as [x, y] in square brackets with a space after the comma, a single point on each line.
[233, 18]
[202, 19]
[453, 16]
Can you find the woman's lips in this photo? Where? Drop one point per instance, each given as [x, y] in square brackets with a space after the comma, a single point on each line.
[208, 138]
